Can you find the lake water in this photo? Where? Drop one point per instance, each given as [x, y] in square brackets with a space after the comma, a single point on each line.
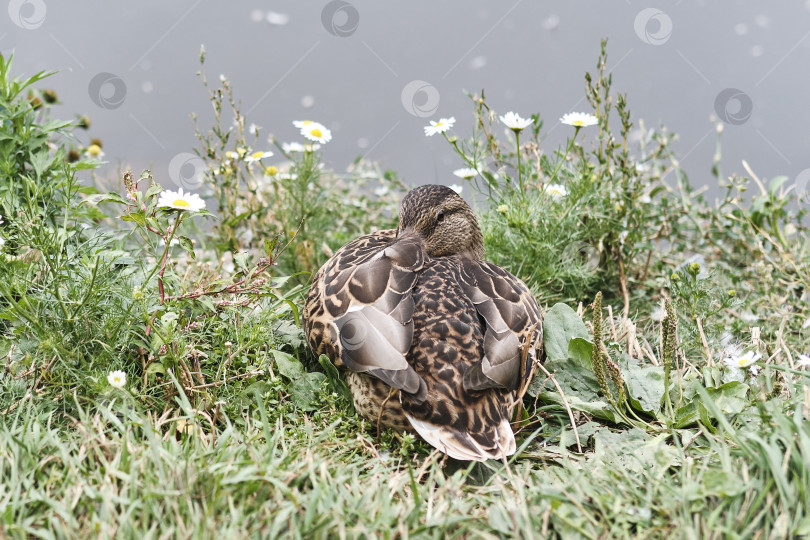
[130, 66]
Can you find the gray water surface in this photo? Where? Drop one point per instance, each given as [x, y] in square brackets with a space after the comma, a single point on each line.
[346, 64]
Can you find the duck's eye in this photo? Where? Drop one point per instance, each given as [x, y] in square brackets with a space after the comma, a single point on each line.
[440, 216]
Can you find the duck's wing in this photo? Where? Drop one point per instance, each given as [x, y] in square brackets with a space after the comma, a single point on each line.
[366, 293]
[509, 315]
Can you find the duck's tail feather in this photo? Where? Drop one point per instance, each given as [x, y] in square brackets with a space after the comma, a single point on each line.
[496, 443]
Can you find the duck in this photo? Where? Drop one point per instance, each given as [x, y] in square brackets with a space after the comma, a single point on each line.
[431, 338]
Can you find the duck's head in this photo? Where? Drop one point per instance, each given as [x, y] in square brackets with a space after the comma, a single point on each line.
[443, 219]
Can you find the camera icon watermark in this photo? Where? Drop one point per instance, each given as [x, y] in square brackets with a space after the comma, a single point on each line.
[420, 98]
[27, 14]
[107, 90]
[733, 106]
[340, 18]
[653, 26]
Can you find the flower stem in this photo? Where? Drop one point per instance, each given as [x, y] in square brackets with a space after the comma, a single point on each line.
[168, 240]
[520, 176]
[567, 149]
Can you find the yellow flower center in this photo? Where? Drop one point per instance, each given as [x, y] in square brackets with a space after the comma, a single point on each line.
[307, 122]
[182, 203]
[579, 123]
[94, 150]
[271, 171]
[317, 133]
[257, 155]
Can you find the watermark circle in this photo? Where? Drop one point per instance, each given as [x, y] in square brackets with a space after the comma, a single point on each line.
[581, 254]
[340, 18]
[653, 26]
[107, 90]
[353, 333]
[27, 14]
[733, 106]
[802, 187]
[187, 170]
[420, 98]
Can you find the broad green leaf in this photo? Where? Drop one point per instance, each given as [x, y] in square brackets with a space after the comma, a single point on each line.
[336, 383]
[560, 325]
[104, 197]
[776, 183]
[645, 384]
[731, 398]
[304, 390]
[186, 244]
[288, 365]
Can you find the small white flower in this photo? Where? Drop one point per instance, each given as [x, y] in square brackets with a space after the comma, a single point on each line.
[645, 199]
[514, 122]
[180, 201]
[117, 379]
[754, 370]
[457, 188]
[803, 360]
[439, 127]
[502, 209]
[556, 191]
[465, 173]
[277, 19]
[292, 147]
[222, 77]
[314, 131]
[579, 120]
[253, 129]
[258, 156]
[381, 191]
[742, 361]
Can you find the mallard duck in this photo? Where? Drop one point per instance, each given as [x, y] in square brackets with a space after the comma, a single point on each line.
[429, 335]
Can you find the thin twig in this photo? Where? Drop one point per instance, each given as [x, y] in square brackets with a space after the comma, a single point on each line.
[565, 402]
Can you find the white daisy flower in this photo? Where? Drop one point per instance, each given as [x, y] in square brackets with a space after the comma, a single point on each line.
[314, 131]
[292, 147]
[514, 122]
[579, 119]
[556, 191]
[803, 360]
[465, 173]
[743, 360]
[457, 188]
[258, 156]
[117, 379]
[439, 127]
[180, 201]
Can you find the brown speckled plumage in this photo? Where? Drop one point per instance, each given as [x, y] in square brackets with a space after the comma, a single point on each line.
[417, 309]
